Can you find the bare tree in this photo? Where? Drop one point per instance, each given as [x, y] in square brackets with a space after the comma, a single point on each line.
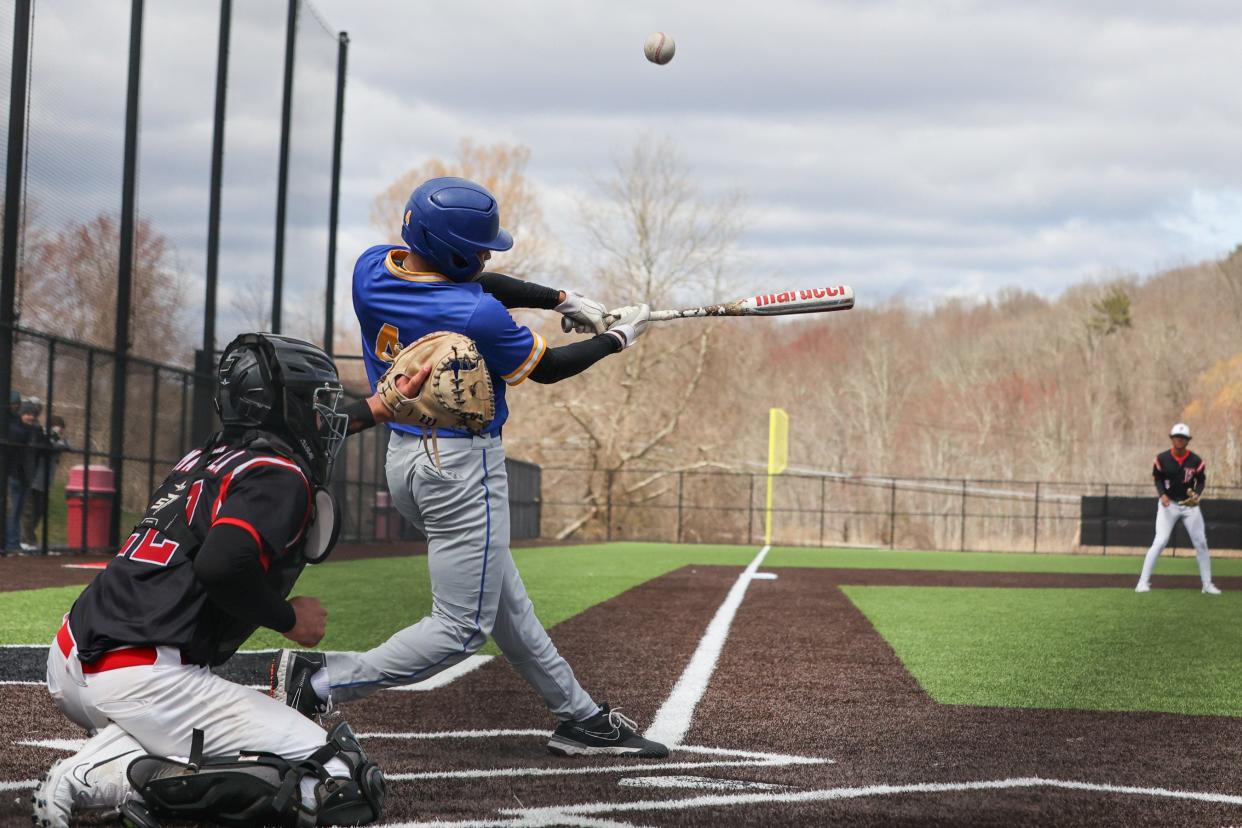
[252, 302]
[653, 236]
[502, 169]
[70, 283]
[658, 237]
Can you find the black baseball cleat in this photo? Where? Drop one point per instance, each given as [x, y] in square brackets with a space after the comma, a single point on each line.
[607, 733]
[290, 676]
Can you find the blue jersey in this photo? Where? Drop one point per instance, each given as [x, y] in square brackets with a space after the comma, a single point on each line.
[396, 306]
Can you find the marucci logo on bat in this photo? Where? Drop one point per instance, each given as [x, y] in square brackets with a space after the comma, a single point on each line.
[798, 295]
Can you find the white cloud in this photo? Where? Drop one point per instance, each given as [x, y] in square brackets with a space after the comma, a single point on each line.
[921, 148]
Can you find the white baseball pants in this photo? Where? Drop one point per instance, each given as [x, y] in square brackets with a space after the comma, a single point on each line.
[154, 709]
[463, 508]
[1166, 518]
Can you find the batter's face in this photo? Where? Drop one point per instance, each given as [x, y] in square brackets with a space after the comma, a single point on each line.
[1180, 443]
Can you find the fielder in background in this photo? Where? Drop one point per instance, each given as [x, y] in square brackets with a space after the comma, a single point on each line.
[214, 557]
[1180, 477]
[451, 483]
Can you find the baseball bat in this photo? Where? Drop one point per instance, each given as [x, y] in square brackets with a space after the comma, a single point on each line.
[786, 303]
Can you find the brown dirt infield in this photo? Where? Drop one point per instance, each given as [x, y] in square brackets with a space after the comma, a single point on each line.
[803, 673]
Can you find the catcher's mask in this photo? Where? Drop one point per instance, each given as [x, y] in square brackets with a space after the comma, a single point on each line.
[286, 386]
[450, 221]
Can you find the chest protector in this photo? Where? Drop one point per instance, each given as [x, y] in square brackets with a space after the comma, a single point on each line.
[149, 595]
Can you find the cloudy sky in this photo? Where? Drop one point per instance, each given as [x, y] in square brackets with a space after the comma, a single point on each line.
[916, 149]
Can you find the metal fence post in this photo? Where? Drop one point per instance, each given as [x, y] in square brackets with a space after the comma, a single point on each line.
[51, 403]
[1035, 543]
[154, 425]
[750, 521]
[892, 513]
[86, 446]
[182, 448]
[681, 488]
[962, 541]
[125, 270]
[823, 507]
[217, 177]
[358, 491]
[14, 183]
[329, 318]
[608, 481]
[282, 169]
[1104, 528]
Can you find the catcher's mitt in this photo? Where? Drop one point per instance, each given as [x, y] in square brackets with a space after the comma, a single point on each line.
[457, 394]
[1193, 500]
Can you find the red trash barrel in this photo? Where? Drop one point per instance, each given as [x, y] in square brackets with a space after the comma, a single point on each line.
[385, 523]
[89, 517]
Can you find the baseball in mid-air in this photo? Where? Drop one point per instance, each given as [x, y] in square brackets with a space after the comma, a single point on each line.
[659, 48]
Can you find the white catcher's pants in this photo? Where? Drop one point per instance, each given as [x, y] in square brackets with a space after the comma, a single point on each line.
[133, 711]
[463, 509]
[1166, 518]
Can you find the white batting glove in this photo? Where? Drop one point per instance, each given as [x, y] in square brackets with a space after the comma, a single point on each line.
[582, 314]
[630, 323]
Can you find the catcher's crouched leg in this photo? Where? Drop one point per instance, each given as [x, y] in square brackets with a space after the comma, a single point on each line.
[265, 789]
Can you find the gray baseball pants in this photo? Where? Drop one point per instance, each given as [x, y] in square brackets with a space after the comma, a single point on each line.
[463, 509]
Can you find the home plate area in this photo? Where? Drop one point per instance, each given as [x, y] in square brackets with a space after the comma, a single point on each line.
[783, 706]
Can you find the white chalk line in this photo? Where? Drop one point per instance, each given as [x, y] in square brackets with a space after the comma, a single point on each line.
[21, 785]
[672, 720]
[67, 745]
[579, 814]
[545, 821]
[762, 757]
[455, 734]
[590, 770]
[705, 783]
[571, 814]
[825, 794]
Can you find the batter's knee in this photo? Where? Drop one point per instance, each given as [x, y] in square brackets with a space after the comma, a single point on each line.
[469, 631]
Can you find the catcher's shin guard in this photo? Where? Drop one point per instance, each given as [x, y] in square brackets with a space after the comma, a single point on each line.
[353, 800]
[264, 789]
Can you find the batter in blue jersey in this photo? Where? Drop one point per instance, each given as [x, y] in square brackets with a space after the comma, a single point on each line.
[461, 503]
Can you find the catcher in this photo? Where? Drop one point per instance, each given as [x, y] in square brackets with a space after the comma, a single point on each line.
[446, 461]
[1180, 477]
[213, 558]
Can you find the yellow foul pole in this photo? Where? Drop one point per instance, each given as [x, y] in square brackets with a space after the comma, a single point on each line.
[778, 459]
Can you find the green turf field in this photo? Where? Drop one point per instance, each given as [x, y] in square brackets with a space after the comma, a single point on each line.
[370, 598]
[1170, 650]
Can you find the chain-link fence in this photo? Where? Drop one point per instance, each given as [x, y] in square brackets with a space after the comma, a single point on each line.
[170, 174]
[74, 382]
[830, 509]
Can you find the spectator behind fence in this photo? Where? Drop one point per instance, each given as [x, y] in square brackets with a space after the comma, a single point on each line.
[46, 464]
[23, 432]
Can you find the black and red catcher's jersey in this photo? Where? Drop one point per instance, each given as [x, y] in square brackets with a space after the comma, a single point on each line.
[148, 594]
[1176, 477]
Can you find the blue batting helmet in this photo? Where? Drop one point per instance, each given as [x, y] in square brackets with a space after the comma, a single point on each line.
[450, 221]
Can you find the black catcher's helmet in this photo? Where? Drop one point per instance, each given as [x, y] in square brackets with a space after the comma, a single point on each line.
[287, 387]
